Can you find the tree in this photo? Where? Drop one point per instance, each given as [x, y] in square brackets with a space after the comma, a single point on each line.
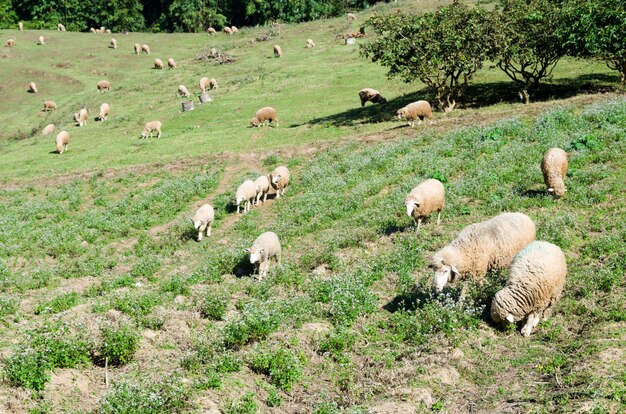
[526, 42]
[195, 15]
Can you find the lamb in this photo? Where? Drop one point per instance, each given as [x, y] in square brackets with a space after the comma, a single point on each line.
[104, 85]
[158, 64]
[536, 279]
[310, 43]
[137, 48]
[262, 185]
[211, 31]
[60, 27]
[49, 106]
[63, 138]
[20, 26]
[145, 49]
[351, 17]
[278, 52]
[228, 30]
[234, 29]
[264, 248]
[171, 63]
[419, 109]
[427, 197]
[113, 44]
[203, 220]
[480, 247]
[371, 95]
[212, 84]
[81, 117]
[182, 91]
[204, 84]
[32, 87]
[9, 43]
[554, 168]
[246, 192]
[280, 179]
[264, 114]
[48, 129]
[149, 127]
[104, 111]
[42, 41]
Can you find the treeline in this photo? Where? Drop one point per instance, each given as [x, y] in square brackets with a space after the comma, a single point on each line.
[167, 15]
[524, 38]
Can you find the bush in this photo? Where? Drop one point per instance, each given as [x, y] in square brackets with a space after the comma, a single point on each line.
[246, 405]
[59, 304]
[27, 369]
[213, 304]
[119, 344]
[283, 367]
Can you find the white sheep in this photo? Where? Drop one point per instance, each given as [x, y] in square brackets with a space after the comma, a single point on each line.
[92, 30]
[536, 279]
[145, 49]
[228, 30]
[265, 247]
[107, 31]
[310, 43]
[279, 179]
[9, 43]
[171, 63]
[234, 29]
[183, 91]
[158, 64]
[371, 95]
[351, 17]
[415, 110]
[213, 84]
[104, 85]
[81, 117]
[426, 198]
[113, 44]
[245, 193]
[203, 220]
[32, 87]
[554, 167]
[102, 29]
[488, 245]
[104, 111]
[63, 138]
[204, 84]
[149, 127]
[49, 106]
[262, 185]
[264, 116]
[20, 26]
[278, 52]
[60, 27]
[48, 129]
[211, 31]
[137, 48]
[42, 41]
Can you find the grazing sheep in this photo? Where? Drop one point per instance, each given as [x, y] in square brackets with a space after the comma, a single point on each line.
[554, 167]
[203, 220]
[278, 52]
[204, 84]
[310, 43]
[228, 30]
[20, 26]
[149, 127]
[427, 197]
[113, 44]
[171, 63]
[234, 29]
[279, 179]
[9, 43]
[480, 247]
[264, 248]
[419, 109]
[182, 91]
[49, 129]
[263, 115]
[32, 87]
[137, 48]
[351, 17]
[145, 49]
[107, 31]
[536, 279]
[81, 117]
[212, 84]
[211, 30]
[60, 27]
[104, 111]
[102, 29]
[49, 106]
[92, 30]
[104, 85]
[42, 41]
[246, 192]
[262, 185]
[371, 95]
[63, 138]
[158, 64]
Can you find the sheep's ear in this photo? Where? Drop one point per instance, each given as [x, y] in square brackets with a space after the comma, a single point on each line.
[455, 272]
[551, 190]
[417, 204]
[510, 318]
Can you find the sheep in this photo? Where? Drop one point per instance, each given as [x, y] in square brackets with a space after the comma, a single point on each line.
[9, 43]
[42, 41]
[49, 129]
[480, 247]
[107, 31]
[264, 248]
[264, 114]
[171, 63]
[20, 26]
[278, 52]
[113, 44]
[371, 95]
[419, 109]
[137, 48]
[102, 29]
[536, 279]
[211, 31]
[158, 64]
[182, 91]
[310, 43]
[279, 178]
[32, 87]
[204, 84]
[104, 85]
[49, 106]
[145, 49]
[427, 197]
[63, 138]
[81, 117]
[262, 185]
[213, 84]
[554, 168]
[92, 30]
[203, 220]
[149, 127]
[351, 17]
[246, 192]
[234, 29]
[104, 111]
[60, 27]
[228, 30]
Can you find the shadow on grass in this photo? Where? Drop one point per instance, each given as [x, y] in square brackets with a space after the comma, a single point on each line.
[243, 268]
[190, 233]
[409, 301]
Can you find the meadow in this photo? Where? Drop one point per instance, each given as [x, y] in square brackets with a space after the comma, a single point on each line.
[101, 277]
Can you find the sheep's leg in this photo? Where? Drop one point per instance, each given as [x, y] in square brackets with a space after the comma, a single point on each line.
[419, 223]
[284, 189]
[238, 208]
[208, 229]
[531, 323]
[439, 217]
[158, 133]
[265, 196]
[200, 235]
[278, 193]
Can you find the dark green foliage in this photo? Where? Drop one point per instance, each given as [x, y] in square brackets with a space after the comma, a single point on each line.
[213, 304]
[282, 366]
[27, 369]
[119, 344]
[59, 304]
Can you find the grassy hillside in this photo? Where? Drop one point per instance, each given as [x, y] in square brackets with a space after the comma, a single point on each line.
[99, 265]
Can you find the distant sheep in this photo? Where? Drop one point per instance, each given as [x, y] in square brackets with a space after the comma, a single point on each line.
[145, 49]
[32, 87]
[20, 26]
[113, 44]
[92, 30]
[49, 106]
[263, 116]
[228, 30]
[203, 220]
[234, 29]
[104, 85]
[415, 110]
[265, 247]
[212, 84]
[9, 43]
[149, 127]
[279, 179]
[137, 48]
[278, 52]
[211, 31]
[262, 185]
[310, 44]
[60, 27]
[536, 279]
[107, 31]
[42, 40]
[158, 64]
[489, 245]
[371, 95]
[245, 193]
[182, 91]
[351, 17]
[81, 117]
[423, 200]
[63, 138]
[171, 63]
[554, 167]
[49, 129]
[204, 84]
[104, 111]
[102, 29]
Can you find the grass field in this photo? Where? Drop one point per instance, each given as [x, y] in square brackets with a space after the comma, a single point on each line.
[98, 260]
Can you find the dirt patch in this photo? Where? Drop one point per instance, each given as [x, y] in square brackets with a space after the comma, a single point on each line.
[68, 387]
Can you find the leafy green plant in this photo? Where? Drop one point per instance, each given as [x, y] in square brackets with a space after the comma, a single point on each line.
[283, 366]
[118, 344]
[213, 304]
[246, 405]
[59, 304]
[28, 369]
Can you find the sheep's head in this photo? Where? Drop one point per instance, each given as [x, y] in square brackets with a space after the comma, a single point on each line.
[275, 178]
[256, 254]
[411, 203]
[557, 191]
[196, 223]
[444, 272]
[400, 113]
[255, 121]
[499, 313]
